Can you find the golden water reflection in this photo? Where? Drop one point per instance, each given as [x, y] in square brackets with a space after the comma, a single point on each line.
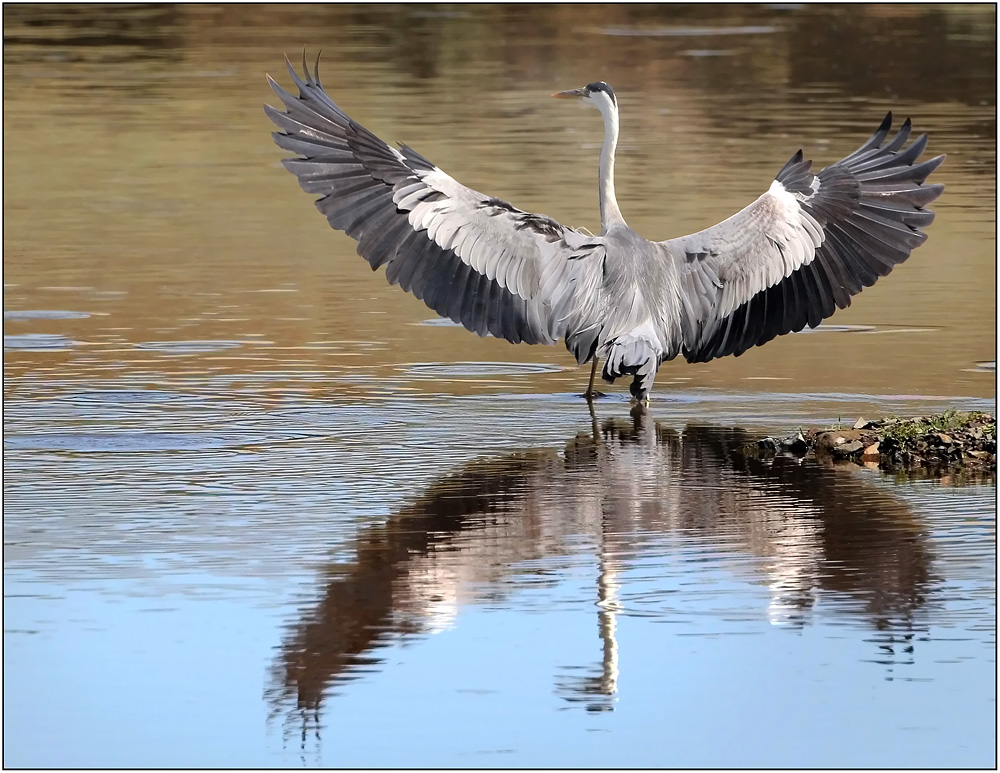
[141, 185]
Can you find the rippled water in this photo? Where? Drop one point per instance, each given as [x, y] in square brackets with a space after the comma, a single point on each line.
[261, 510]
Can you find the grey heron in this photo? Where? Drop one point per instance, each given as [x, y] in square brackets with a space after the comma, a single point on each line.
[788, 260]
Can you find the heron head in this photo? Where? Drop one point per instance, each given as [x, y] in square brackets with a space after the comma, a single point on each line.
[598, 94]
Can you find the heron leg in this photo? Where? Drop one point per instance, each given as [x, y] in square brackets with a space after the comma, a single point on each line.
[589, 394]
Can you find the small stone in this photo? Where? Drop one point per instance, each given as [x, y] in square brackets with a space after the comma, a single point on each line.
[861, 423]
[832, 439]
[767, 444]
[795, 444]
[871, 453]
[946, 439]
[846, 449]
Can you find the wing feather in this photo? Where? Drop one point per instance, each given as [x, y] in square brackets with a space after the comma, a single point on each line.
[476, 259]
[804, 248]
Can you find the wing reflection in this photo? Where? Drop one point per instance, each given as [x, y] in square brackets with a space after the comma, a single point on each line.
[479, 534]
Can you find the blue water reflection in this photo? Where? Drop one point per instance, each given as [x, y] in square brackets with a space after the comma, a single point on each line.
[665, 540]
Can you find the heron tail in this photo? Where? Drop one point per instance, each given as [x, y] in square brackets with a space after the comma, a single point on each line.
[633, 355]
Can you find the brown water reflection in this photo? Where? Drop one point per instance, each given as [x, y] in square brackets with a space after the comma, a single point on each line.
[473, 536]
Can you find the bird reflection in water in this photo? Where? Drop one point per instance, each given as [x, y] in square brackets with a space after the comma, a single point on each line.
[481, 533]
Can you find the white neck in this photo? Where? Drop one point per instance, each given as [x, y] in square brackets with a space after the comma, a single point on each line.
[610, 214]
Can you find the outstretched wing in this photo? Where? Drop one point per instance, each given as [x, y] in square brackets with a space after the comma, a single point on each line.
[805, 247]
[476, 259]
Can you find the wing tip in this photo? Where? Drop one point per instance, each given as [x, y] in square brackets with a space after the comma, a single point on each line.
[311, 78]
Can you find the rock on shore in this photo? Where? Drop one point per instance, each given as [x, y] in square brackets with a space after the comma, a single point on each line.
[942, 442]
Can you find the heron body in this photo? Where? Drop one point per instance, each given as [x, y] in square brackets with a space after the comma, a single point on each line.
[788, 260]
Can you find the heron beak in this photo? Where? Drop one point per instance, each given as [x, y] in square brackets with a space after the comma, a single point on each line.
[571, 94]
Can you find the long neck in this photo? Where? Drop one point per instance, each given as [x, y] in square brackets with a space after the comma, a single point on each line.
[610, 214]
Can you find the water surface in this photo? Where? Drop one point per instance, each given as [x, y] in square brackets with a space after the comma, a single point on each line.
[262, 509]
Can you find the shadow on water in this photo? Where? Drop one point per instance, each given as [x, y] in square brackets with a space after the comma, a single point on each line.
[642, 490]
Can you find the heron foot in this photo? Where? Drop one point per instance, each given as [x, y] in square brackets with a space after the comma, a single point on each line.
[593, 395]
